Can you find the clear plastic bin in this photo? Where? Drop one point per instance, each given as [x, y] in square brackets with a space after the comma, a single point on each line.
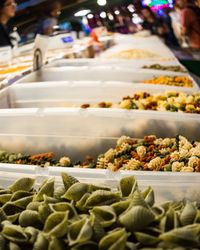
[77, 132]
[152, 45]
[96, 74]
[71, 94]
[98, 62]
[167, 186]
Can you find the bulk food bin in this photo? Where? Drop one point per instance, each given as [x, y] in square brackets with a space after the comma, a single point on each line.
[72, 93]
[95, 74]
[167, 186]
[150, 49]
[132, 64]
[76, 132]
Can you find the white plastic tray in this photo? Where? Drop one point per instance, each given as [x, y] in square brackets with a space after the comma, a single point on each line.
[167, 186]
[95, 74]
[71, 93]
[132, 64]
[77, 132]
[152, 45]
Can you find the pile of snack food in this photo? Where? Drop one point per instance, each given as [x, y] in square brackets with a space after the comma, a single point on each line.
[80, 216]
[148, 154]
[168, 101]
[174, 68]
[133, 54]
[179, 81]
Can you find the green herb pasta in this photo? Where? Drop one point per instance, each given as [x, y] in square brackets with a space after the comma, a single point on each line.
[84, 216]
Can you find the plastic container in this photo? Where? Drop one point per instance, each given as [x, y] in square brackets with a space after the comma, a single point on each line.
[152, 45]
[71, 93]
[95, 74]
[167, 186]
[76, 132]
[132, 64]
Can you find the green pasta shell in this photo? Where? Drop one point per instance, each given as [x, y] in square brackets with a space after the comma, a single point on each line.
[23, 202]
[93, 188]
[68, 180]
[76, 191]
[146, 239]
[44, 211]
[188, 214]
[47, 188]
[121, 206]
[169, 221]
[49, 200]
[14, 233]
[102, 197]
[81, 204]
[21, 194]
[13, 246]
[56, 224]
[41, 243]
[34, 205]
[184, 236]
[149, 196]
[11, 209]
[98, 230]
[59, 192]
[4, 198]
[137, 199]
[105, 214]
[64, 207]
[32, 234]
[114, 240]
[56, 244]
[86, 246]
[30, 218]
[159, 212]
[80, 231]
[23, 184]
[136, 219]
[128, 185]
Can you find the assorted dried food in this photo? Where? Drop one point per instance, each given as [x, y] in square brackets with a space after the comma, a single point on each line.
[168, 101]
[86, 216]
[174, 68]
[133, 54]
[179, 81]
[148, 154]
[44, 159]
[152, 154]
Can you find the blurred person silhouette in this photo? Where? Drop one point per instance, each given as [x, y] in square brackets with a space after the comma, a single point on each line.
[7, 11]
[48, 24]
[190, 23]
[157, 26]
[175, 15]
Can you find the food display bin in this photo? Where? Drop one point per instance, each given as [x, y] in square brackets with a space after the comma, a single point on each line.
[156, 48]
[72, 93]
[132, 64]
[95, 74]
[76, 132]
[167, 186]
